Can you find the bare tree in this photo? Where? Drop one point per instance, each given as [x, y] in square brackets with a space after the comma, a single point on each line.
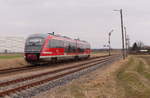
[140, 45]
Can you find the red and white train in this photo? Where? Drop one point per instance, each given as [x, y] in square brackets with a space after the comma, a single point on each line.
[50, 47]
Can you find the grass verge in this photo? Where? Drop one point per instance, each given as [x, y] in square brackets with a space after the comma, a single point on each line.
[134, 77]
[10, 56]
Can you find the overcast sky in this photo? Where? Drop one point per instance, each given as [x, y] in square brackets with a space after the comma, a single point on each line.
[90, 20]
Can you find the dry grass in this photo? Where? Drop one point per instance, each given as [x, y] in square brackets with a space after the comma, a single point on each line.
[17, 60]
[104, 53]
[123, 79]
[98, 84]
[12, 63]
[134, 78]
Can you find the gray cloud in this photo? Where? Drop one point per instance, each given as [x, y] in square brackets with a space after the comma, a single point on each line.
[90, 20]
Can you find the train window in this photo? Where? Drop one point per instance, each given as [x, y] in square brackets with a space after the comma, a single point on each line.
[74, 47]
[70, 47]
[67, 46]
[86, 46]
[53, 43]
[34, 44]
[81, 48]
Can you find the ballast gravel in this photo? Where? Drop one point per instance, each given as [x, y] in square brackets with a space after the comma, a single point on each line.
[59, 82]
[56, 83]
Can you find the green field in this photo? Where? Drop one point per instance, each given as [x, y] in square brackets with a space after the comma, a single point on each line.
[134, 77]
[10, 56]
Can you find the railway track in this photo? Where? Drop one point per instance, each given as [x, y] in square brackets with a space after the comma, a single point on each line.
[20, 84]
[20, 69]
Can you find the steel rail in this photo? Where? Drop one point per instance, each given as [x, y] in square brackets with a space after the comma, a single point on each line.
[19, 69]
[2, 84]
[7, 92]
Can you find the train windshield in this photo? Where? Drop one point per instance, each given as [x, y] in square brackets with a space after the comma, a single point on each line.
[35, 41]
[34, 44]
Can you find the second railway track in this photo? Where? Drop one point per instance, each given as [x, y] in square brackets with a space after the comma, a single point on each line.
[20, 84]
[20, 69]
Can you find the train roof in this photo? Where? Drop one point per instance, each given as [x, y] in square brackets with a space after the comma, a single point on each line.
[39, 35]
[67, 37]
[52, 34]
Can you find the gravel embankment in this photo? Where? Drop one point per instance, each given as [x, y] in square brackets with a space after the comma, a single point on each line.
[58, 82]
[99, 83]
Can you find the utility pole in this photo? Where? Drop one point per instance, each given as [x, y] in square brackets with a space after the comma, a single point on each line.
[123, 48]
[126, 41]
[109, 42]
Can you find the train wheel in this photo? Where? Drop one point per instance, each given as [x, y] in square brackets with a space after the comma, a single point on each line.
[88, 56]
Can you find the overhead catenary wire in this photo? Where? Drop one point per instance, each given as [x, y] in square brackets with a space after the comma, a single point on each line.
[12, 44]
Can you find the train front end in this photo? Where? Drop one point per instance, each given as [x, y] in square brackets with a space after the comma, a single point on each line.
[33, 47]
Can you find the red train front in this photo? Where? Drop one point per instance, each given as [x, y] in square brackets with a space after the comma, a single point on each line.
[49, 47]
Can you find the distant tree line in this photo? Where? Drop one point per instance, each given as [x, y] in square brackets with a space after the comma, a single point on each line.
[139, 47]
